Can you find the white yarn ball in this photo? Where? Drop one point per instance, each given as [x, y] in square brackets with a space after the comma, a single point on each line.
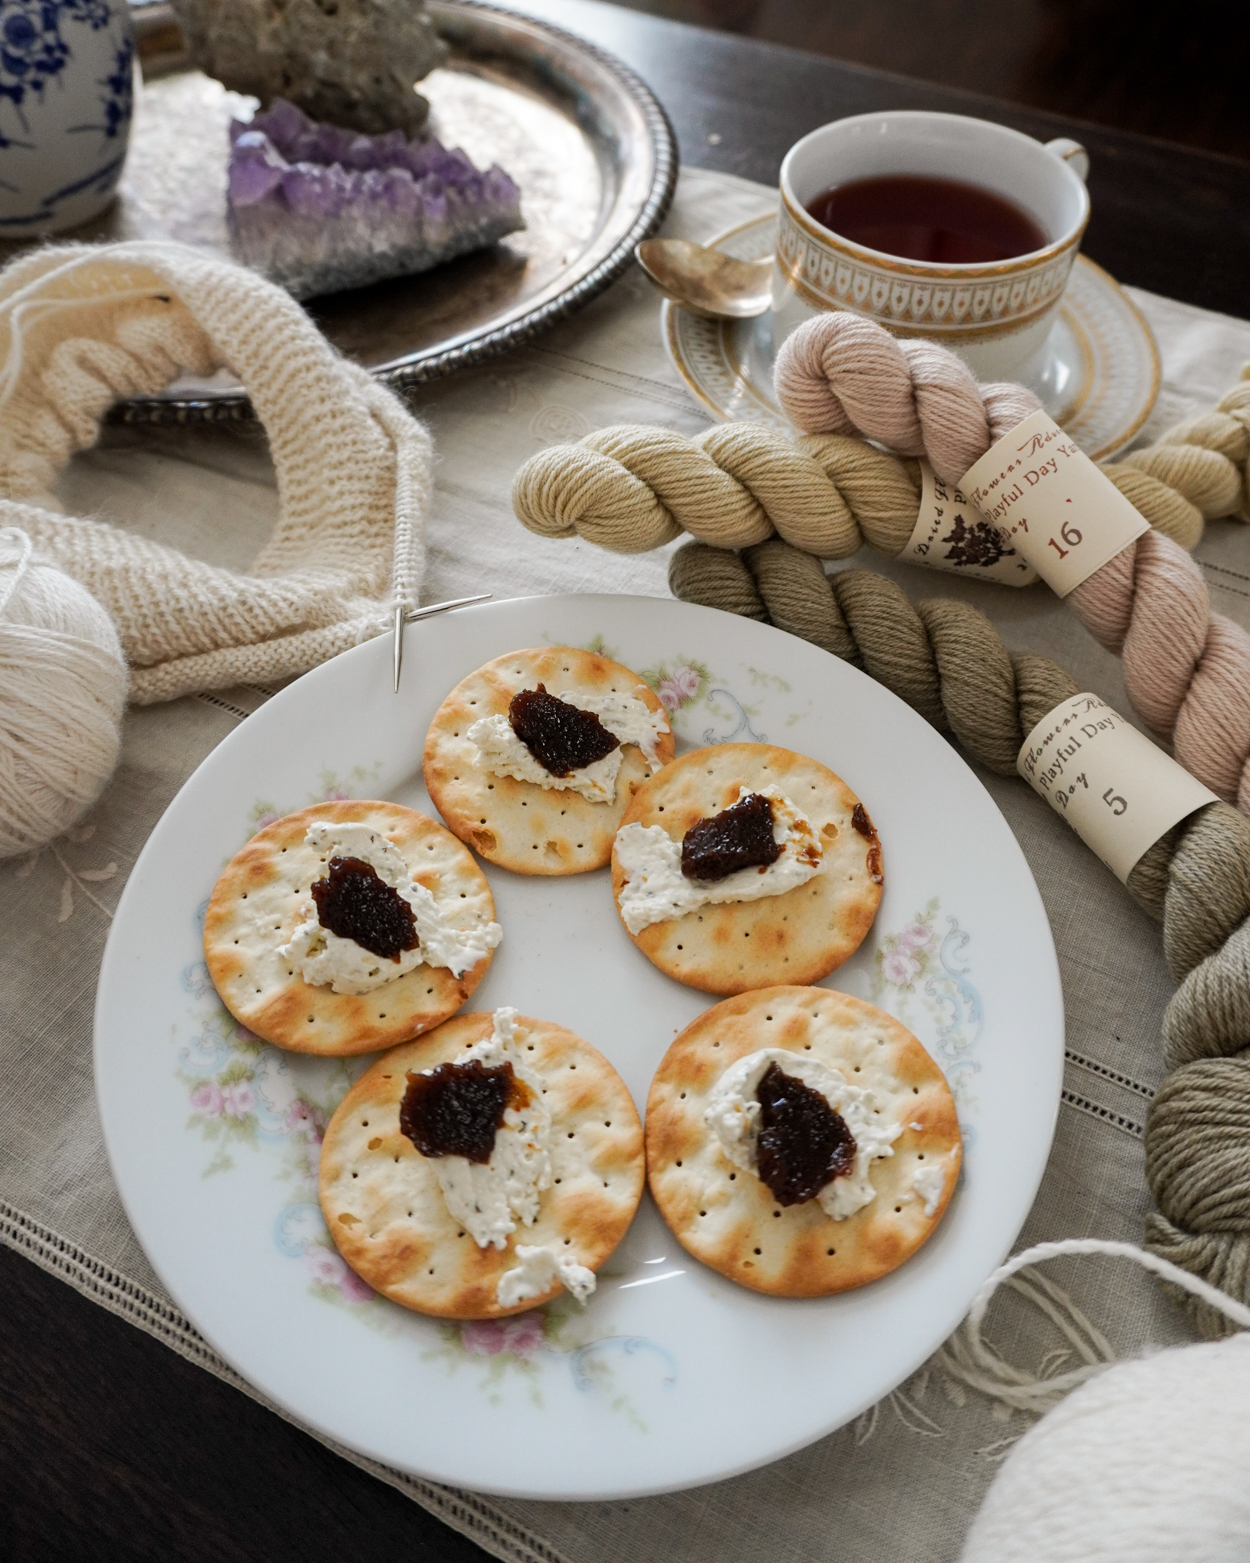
[1147, 1463]
[62, 695]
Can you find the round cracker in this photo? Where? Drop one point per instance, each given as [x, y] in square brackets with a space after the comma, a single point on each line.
[797, 937]
[517, 824]
[727, 1217]
[385, 1210]
[256, 905]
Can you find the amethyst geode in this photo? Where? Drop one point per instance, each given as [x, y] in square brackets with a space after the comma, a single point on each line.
[318, 209]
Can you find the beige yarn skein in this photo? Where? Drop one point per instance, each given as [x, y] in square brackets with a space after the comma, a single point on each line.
[62, 694]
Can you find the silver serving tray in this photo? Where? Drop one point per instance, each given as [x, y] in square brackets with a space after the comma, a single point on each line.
[582, 136]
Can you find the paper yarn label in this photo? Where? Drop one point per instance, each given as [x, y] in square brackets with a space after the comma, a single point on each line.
[1117, 790]
[950, 534]
[1052, 503]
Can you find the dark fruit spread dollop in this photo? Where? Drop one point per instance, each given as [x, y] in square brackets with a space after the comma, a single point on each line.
[354, 902]
[803, 1144]
[740, 836]
[457, 1109]
[561, 737]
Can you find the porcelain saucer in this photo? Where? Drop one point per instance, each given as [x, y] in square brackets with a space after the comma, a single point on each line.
[1100, 380]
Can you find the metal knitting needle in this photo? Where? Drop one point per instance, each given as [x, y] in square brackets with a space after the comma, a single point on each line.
[406, 616]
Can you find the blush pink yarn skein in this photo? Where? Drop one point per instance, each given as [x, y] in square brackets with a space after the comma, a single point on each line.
[1187, 670]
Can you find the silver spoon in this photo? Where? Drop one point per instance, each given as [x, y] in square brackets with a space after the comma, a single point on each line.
[706, 282]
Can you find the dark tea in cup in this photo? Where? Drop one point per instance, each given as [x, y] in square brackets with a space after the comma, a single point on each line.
[925, 219]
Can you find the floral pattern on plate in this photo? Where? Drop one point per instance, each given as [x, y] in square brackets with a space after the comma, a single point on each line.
[922, 968]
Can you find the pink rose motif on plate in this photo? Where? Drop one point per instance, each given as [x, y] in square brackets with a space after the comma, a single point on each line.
[353, 1288]
[336, 795]
[266, 820]
[899, 968]
[238, 1100]
[679, 687]
[518, 1336]
[301, 1112]
[206, 1099]
[916, 938]
[325, 1268]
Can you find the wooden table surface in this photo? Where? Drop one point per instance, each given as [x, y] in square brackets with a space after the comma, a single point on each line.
[115, 1448]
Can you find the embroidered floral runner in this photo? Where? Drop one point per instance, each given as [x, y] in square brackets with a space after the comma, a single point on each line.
[907, 1477]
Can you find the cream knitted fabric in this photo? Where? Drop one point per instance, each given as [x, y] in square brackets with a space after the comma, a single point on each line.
[80, 327]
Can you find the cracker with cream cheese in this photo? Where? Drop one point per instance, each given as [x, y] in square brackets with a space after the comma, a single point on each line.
[258, 903]
[384, 1206]
[797, 936]
[726, 1215]
[523, 825]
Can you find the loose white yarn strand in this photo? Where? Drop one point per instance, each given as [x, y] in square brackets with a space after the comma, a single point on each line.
[968, 1357]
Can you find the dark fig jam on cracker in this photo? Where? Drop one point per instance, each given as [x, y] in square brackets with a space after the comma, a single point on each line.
[355, 902]
[457, 1109]
[803, 1143]
[561, 737]
[738, 837]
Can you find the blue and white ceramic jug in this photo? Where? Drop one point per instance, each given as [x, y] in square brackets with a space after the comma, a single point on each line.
[66, 86]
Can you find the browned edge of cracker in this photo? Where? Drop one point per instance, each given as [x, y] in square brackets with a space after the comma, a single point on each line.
[395, 1260]
[304, 1018]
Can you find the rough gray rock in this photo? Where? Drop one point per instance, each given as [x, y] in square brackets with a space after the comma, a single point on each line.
[349, 62]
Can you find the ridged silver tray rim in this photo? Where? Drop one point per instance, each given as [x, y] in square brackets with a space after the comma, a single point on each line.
[435, 362]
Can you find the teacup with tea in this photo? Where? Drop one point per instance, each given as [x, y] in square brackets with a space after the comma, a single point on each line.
[933, 225]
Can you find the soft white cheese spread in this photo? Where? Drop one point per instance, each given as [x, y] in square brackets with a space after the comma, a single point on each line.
[733, 1114]
[928, 1183]
[536, 1268]
[628, 719]
[488, 1198]
[656, 890]
[326, 959]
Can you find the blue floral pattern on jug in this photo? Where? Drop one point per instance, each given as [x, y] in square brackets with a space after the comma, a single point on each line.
[66, 103]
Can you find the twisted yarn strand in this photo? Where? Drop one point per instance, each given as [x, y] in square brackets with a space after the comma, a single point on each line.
[948, 662]
[1187, 670]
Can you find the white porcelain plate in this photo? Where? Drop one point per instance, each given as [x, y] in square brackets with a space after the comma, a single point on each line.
[1100, 378]
[671, 1376]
